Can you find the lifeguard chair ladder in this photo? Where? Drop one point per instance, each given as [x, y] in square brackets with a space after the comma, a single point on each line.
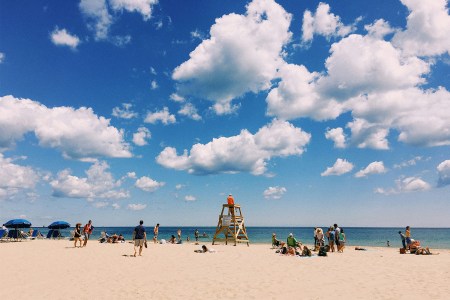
[231, 225]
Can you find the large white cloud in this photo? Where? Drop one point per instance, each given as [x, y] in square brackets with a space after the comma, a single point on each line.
[241, 153]
[98, 183]
[428, 28]
[323, 23]
[364, 64]
[242, 54]
[376, 167]
[340, 167]
[78, 133]
[14, 177]
[444, 173]
[60, 37]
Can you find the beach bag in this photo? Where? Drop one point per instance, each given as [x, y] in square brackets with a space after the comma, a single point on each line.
[402, 251]
[322, 252]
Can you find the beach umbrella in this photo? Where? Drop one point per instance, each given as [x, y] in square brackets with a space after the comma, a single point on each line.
[59, 225]
[17, 223]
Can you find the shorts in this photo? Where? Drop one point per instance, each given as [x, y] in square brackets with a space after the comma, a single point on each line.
[139, 242]
[408, 241]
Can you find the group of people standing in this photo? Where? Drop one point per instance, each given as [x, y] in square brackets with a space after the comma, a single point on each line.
[336, 236]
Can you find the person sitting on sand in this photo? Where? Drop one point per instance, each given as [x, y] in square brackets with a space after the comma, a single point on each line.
[293, 243]
[275, 242]
[172, 240]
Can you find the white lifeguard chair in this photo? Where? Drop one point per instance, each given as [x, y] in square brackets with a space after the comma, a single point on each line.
[231, 225]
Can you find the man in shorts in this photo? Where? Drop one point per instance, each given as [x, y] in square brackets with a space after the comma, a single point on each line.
[139, 238]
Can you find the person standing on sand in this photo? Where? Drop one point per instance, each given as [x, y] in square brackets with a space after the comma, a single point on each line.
[139, 237]
[155, 233]
[196, 236]
[87, 231]
[403, 237]
[408, 236]
[179, 235]
[332, 235]
[337, 231]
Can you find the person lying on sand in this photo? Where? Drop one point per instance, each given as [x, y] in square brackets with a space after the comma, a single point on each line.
[205, 250]
[360, 249]
[424, 251]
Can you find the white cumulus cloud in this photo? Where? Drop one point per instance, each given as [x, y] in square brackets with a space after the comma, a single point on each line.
[124, 112]
[241, 153]
[242, 55]
[376, 167]
[340, 167]
[140, 137]
[147, 184]
[428, 28]
[162, 116]
[98, 183]
[274, 192]
[190, 111]
[60, 37]
[144, 7]
[337, 135]
[406, 185]
[78, 133]
[15, 178]
[323, 23]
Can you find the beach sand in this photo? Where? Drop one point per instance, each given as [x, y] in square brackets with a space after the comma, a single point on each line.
[48, 269]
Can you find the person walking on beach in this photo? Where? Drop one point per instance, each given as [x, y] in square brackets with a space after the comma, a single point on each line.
[342, 240]
[87, 231]
[139, 238]
[155, 233]
[77, 234]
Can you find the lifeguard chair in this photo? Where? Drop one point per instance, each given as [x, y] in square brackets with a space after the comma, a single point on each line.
[231, 225]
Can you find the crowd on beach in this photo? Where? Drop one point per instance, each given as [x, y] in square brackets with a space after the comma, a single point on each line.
[335, 235]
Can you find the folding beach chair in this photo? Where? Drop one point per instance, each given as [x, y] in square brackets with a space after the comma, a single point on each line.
[49, 234]
[3, 235]
[15, 234]
[33, 235]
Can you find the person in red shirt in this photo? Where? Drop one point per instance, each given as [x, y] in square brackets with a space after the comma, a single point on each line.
[87, 230]
[230, 199]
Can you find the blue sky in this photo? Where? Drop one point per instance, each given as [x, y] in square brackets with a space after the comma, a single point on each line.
[308, 112]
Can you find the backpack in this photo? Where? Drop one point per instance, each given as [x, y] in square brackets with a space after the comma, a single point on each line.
[322, 251]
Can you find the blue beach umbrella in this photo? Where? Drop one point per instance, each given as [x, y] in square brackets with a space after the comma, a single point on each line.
[17, 223]
[59, 225]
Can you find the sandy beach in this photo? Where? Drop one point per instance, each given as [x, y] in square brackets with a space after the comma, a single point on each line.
[48, 269]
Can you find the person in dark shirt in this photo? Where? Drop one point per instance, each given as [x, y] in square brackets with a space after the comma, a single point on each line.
[139, 238]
